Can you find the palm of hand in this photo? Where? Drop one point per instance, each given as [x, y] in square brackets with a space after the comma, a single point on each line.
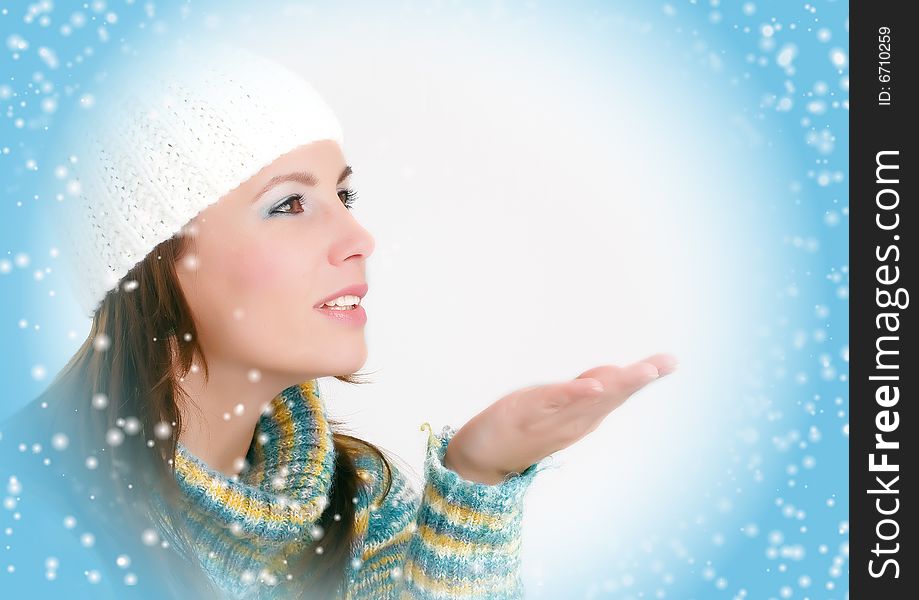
[529, 424]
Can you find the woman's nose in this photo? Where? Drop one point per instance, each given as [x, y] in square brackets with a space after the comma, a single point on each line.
[366, 243]
[354, 239]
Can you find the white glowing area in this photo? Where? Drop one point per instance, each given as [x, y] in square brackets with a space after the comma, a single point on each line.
[543, 204]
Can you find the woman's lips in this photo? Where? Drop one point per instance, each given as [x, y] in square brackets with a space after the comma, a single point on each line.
[358, 289]
[354, 316]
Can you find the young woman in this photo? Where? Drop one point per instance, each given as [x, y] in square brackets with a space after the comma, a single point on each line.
[225, 274]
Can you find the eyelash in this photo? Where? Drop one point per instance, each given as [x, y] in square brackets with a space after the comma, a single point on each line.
[348, 201]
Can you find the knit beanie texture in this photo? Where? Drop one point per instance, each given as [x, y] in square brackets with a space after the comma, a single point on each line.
[171, 132]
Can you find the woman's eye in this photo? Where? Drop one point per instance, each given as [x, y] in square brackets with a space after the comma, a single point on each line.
[289, 202]
[349, 197]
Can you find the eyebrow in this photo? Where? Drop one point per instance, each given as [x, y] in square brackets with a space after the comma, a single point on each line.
[300, 176]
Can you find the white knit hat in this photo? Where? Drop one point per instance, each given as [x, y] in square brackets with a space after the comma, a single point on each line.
[169, 135]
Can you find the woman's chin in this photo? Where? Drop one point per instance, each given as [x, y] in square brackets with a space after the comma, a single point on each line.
[346, 364]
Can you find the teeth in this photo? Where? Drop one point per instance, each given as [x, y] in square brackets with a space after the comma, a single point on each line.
[344, 301]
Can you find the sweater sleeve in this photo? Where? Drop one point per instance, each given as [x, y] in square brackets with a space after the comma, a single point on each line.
[457, 539]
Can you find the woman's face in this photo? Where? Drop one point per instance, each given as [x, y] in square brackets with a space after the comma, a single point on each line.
[264, 256]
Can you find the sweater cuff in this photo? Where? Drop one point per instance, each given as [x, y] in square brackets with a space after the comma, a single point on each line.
[468, 538]
[499, 499]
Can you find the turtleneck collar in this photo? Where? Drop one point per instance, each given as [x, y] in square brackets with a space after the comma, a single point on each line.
[244, 526]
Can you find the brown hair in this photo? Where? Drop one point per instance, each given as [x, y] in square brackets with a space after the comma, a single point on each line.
[137, 373]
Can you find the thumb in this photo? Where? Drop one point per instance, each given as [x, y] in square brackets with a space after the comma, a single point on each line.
[574, 388]
[624, 381]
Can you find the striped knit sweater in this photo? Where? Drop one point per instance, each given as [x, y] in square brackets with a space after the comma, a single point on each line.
[457, 539]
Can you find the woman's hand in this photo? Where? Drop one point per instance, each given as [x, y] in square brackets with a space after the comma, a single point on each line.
[525, 426]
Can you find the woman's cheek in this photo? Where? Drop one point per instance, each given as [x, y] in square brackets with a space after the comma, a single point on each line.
[252, 271]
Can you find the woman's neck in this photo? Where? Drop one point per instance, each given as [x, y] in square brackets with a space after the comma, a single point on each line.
[220, 418]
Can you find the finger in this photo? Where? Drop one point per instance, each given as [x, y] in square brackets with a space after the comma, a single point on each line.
[619, 387]
[665, 363]
[556, 395]
[586, 386]
[633, 377]
[623, 381]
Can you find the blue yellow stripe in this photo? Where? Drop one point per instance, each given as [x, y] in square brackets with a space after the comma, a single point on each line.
[455, 539]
